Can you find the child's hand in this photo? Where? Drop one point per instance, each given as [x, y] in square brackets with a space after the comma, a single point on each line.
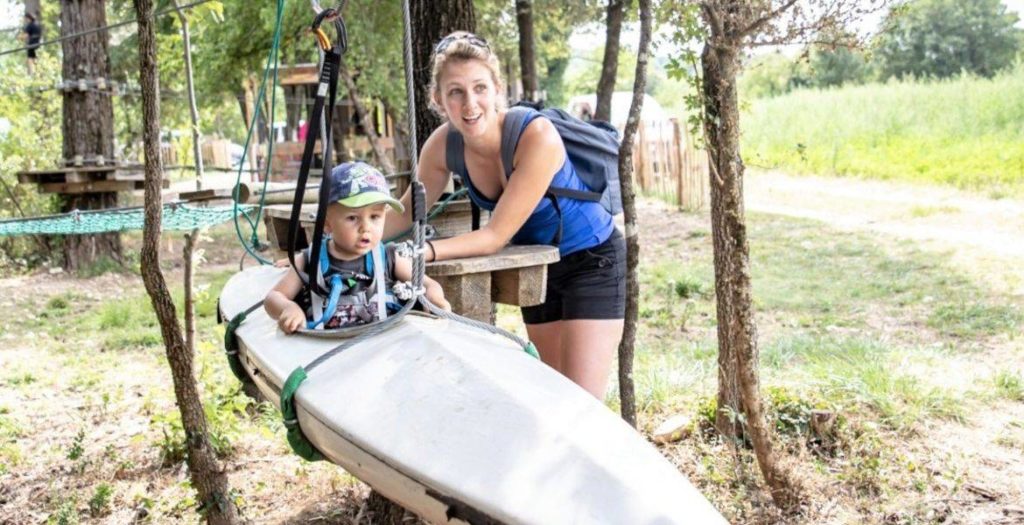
[443, 304]
[292, 318]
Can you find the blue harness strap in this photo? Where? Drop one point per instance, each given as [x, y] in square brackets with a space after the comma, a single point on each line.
[339, 286]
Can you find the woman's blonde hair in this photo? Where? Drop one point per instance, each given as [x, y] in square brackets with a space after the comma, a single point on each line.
[462, 46]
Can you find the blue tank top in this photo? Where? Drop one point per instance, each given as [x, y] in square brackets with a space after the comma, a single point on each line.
[585, 224]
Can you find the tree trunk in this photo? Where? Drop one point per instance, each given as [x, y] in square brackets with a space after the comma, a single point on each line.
[88, 124]
[738, 382]
[627, 394]
[197, 136]
[401, 137]
[383, 161]
[432, 20]
[209, 481]
[610, 64]
[527, 50]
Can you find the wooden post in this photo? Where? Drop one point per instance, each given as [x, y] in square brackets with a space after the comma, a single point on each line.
[640, 164]
[678, 172]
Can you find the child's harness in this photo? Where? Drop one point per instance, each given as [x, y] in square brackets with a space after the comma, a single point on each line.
[356, 297]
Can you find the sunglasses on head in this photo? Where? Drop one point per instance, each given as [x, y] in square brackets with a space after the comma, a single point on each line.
[468, 37]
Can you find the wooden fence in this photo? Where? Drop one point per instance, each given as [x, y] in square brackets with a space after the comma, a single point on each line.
[666, 165]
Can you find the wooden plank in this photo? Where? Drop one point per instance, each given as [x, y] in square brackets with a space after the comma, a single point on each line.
[508, 257]
[100, 186]
[469, 295]
[520, 286]
[127, 176]
[299, 74]
[205, 195]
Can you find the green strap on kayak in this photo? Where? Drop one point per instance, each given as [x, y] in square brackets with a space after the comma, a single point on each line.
[532, 350]
[300, 445]
[231, 348]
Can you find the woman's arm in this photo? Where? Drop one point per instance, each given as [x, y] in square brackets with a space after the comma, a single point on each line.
[539, 156]
[432, 171]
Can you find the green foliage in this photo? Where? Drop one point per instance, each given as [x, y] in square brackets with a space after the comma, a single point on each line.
[963, 131]
[943, 38]
[837, 67]
[688, 35]
[75, 450]
[99, 503]
[66, 513]
[771, 75]
[1009, 385]
[224, 405]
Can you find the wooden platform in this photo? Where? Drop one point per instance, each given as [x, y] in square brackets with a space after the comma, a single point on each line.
[87, 179]
[516, 275]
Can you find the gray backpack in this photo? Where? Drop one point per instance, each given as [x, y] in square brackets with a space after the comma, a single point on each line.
[593, 148]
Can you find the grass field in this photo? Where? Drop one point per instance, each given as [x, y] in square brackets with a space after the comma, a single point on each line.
[967, 132]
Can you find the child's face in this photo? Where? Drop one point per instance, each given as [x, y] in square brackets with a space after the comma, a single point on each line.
[355, 231]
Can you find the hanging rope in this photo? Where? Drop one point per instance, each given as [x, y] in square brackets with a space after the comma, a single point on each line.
[272, 63]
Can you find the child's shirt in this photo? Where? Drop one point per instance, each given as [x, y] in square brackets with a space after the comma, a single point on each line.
[363, 310]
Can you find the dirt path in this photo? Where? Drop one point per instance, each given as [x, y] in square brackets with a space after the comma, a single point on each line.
[983, 236]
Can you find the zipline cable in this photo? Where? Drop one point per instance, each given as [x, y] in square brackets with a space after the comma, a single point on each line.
[98, 29]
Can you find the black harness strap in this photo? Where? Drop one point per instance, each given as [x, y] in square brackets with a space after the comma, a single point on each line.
[326, 92]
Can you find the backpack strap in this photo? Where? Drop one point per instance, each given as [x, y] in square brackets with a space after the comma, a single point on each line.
[510, 132]
[455, 152]
[455, 159]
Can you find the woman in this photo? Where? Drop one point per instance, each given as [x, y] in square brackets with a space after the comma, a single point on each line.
[578, 328]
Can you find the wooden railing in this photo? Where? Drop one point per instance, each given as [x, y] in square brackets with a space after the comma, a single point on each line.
[666, 165]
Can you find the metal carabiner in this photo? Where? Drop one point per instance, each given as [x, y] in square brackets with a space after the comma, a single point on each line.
[340, 44]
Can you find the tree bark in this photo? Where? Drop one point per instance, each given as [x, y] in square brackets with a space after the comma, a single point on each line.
[188, 254]
[197, 136]
[527, 51]
[383, 161]
[432, 20]
[401, 137]
[88, 124]
[610, 63]
[627, 393]
[738, 381]
[209, 481]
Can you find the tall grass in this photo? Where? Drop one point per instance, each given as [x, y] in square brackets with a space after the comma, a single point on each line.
[967, 131]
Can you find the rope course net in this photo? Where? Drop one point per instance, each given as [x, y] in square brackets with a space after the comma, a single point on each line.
[176, 217]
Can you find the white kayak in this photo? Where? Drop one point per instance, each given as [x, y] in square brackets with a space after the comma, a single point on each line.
[462, 426]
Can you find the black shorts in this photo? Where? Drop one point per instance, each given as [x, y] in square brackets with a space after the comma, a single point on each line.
[588, 284]
[31, 51]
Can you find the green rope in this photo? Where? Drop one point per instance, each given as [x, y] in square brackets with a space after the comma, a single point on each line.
[176, 217]
[531, 349]
[298, 441]
[272, 62]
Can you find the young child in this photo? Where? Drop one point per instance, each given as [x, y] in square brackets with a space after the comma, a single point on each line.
[353, 229]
